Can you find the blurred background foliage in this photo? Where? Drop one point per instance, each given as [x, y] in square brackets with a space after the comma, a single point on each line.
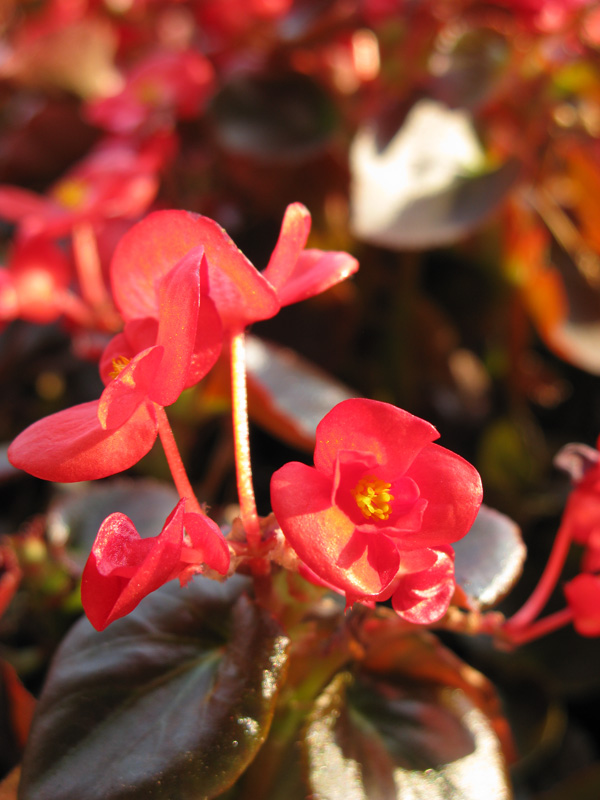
[452, 146]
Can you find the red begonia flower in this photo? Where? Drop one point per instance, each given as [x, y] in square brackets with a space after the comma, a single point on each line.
[170, 83]
[583, 597]
[147, 365]
[123, 568]
[241, 293]
[34, 285]
[375, 516]
[115, 181]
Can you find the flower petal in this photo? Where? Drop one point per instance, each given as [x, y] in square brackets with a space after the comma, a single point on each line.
[178, 297]
[72, 446]
[153, 246]
[292, 239]
[325, 539]
[314, 272]
[392, 435]
[123, 568]
[452, 488]
[128, 389]
[583, 597]
[423, 595]
[208, 543]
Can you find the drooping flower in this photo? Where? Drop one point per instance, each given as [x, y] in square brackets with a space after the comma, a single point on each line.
[146, 366]
[376, 515]
[123, 567]
[241, 293]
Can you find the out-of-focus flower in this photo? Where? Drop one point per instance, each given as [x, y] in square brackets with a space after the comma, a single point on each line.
[123, 568]
[118, 180]
[375, 516]
[583, 598]
[163, 85]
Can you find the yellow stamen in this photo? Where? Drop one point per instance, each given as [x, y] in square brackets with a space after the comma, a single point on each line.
[373, 497]
[70, 193]
[119, 365]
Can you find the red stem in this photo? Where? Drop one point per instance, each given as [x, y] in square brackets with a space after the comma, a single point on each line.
[89, 272]
[241, 440]
[539, 597]
[540, 628]
[178, 472]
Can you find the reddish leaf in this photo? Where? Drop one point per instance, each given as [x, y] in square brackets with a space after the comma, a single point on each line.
[172, 701]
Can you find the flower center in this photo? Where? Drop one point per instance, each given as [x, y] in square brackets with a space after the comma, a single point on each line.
[70, 193]
[373, 497]
[119, 365]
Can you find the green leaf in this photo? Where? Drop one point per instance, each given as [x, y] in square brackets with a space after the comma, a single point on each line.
[172, 701]
[490, 558]
[379, 739]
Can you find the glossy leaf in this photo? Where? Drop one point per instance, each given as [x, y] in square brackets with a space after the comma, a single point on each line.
[490, 558]
[172, 701]
[429, 185]
[379, 740]
[287, 394]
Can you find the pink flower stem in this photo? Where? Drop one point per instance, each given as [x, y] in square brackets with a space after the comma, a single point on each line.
[540, 628]
[241, 440]
[539, 597]
[178, 472]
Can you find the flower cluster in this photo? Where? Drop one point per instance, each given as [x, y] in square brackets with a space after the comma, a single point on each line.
[184, 290]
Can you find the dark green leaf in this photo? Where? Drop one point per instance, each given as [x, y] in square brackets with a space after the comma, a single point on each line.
[379, 740]
[172, 701]
[273, 117]
[490, 558]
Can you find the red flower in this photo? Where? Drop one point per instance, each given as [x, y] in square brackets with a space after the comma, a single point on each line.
[583, 598]
[377, 513]
[115, 181]
[171, 83]
[240, 292]
[146, 366]
[34, 285]
[123, 568]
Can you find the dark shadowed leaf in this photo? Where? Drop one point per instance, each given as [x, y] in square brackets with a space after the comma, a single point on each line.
[273, 117]
[287, 394]
[172, 701]
[429, 185]
[379, 740]
[490, 558]
[76, 516]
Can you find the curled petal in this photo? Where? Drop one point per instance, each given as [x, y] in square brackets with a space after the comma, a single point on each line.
[426, 585]
[292, 238]
[208, 545]
[178, 296]
[315, 271]
[123, 568]
[72, 445]
[129, 389]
